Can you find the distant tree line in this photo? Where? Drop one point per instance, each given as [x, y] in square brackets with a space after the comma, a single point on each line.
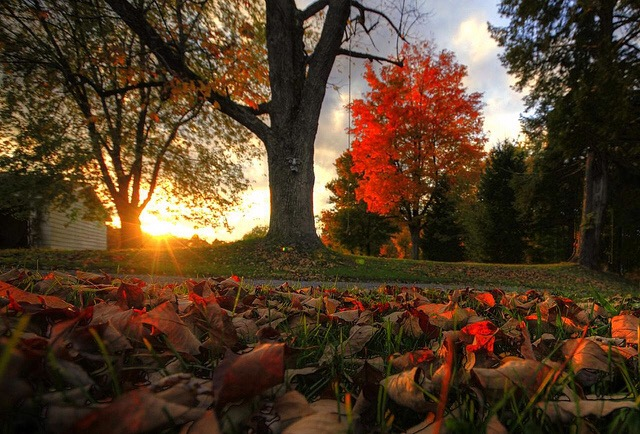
[569, 191]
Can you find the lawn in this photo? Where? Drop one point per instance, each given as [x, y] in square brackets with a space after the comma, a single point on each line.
[507, 349]
[254, 259]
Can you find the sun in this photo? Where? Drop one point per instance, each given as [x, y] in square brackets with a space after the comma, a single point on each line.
[253, 210]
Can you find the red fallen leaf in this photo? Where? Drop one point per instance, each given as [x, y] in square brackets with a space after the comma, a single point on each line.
[138, 411]
[164, 318]
[431, 331]
[13, 304]
[483, 333]
[244, 376]
[25, 298]
[130, 295]
[197, 299]
[485, 298]
[357, 303]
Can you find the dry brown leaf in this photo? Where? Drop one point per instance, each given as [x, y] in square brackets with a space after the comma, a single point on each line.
[452, 319]
[359, 335]
[246, 328]
[350, 315]
[24, 297]
[412, 359]
[625, 327]
[137, 411]
[528, 375]
[164, 318]
[407, 389]
[291, 407]
[586, 357]
[494, 426]
[270, 317]
[330, 305]
[565, 411]
[328, 417]
[219, 326]
[240, 377]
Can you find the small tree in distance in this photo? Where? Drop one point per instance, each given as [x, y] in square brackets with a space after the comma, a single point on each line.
[416, 125]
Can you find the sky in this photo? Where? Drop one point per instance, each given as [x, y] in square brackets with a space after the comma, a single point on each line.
[459, 26]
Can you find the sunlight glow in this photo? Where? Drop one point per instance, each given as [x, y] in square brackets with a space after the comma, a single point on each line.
[251, 212]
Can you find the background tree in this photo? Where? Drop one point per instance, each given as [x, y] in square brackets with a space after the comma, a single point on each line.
[548, 198]
[501, 232]
[443, 236]
[83, 100]
[579, 61]
[349, 225]
[416, 125]
[298, 68]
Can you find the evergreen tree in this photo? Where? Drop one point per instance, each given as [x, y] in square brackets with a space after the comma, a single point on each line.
[349, 225]
[579, 62]
[501, 231]
[443, 235]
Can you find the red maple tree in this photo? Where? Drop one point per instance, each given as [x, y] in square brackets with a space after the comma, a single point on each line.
[415, 126]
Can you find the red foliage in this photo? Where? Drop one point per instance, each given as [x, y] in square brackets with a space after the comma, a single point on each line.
[418, 123]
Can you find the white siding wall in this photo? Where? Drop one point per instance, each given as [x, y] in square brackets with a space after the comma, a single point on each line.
[57, 231]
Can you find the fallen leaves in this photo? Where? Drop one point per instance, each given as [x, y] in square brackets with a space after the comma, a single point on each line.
[213, 356]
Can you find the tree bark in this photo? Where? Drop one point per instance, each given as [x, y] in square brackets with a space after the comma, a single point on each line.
[130, 228]
[414, 231]
[291, 179]
[594, 203]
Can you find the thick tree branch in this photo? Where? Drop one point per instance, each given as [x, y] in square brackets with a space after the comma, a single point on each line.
[172, 59]
[312, 9]
[358, 55]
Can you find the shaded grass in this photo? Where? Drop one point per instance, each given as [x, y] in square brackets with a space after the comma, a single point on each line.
[256, 259]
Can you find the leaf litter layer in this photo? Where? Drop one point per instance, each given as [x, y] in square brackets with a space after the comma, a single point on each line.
[91, 353]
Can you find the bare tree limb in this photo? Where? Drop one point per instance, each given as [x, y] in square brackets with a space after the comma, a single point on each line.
[362, 8]
[356, 54]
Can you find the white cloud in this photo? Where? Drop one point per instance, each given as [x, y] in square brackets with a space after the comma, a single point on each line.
[472, 42]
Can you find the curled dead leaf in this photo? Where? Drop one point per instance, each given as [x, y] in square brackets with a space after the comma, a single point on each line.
[407, 388]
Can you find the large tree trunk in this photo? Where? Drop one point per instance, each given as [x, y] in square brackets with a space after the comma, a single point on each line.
[291, 179]
[130, 228]
[594, 204]
[298, 86]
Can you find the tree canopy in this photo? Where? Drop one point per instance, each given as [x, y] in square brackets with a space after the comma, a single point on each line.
[84, 99]
[416, 125]
[580, 65]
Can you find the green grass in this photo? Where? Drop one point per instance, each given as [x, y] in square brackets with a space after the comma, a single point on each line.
[255, 259]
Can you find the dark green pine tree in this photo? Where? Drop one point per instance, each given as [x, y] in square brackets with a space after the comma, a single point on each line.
[501, 232]
[579, 63]
[443, 236]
